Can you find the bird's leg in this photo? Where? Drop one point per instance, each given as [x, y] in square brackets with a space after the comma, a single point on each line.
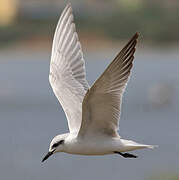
[126, 155]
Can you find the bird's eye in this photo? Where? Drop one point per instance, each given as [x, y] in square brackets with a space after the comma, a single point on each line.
[61, 142]
[57, 144]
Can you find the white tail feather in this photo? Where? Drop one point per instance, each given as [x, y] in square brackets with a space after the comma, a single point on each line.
[131, 145]
[152, 146]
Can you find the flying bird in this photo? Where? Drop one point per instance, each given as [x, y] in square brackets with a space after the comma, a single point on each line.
[93, 113]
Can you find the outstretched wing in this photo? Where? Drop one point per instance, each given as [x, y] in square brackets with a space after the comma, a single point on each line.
[102, 103]
[67, 69]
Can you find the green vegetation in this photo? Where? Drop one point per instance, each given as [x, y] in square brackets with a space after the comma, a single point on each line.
[166, 177]
[157, 21]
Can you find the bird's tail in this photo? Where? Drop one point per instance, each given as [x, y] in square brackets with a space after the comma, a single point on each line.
[131, 145]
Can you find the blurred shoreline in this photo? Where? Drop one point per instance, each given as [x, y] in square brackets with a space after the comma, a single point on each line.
[101, 22]
[89, 44]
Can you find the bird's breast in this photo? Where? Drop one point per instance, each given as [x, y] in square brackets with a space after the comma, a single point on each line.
[90, 147]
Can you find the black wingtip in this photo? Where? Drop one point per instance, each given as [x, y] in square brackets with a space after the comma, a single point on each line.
[136, 35]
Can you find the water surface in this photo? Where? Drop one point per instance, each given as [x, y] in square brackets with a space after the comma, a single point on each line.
[30, 116]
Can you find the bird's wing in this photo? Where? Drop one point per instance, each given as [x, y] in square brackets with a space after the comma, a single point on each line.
[67, 69]
[102, 103]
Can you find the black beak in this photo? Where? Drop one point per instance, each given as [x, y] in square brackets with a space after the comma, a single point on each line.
[47, 156]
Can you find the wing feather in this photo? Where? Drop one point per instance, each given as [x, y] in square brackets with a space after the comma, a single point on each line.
[67, 69]
[102, 103]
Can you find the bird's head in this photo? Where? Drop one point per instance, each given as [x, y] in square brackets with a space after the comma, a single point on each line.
[56, 145]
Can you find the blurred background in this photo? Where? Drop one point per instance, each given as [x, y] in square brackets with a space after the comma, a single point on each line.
[30, 115]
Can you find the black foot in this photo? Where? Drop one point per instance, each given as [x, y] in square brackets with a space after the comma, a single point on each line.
[126, 155]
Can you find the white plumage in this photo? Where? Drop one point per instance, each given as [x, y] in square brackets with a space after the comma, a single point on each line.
[67, 69]
[93, 113]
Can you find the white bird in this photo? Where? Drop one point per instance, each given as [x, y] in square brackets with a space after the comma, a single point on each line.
[93, 113]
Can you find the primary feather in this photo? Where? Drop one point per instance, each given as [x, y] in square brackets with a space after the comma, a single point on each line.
[67, 69]
[102, 103]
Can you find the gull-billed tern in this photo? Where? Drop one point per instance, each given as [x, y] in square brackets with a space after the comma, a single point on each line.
[92, 113]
